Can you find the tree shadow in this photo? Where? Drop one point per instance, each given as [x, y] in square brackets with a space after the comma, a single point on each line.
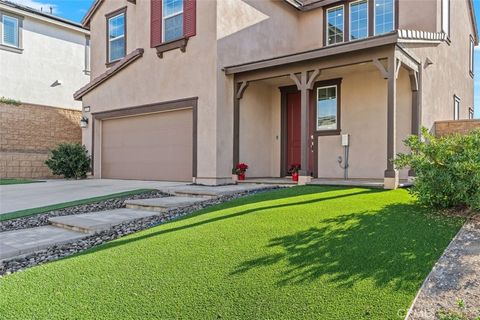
[237, 204]
[394, 246]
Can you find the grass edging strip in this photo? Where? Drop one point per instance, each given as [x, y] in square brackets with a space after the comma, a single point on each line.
[9, 181]
[59, 206]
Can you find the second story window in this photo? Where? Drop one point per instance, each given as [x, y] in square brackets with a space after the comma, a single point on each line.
[358, 19]
[116, 31]
[10, 31]
[172, 20]
[384, 16]
[456, 108]
[335, 25]
[472, 56]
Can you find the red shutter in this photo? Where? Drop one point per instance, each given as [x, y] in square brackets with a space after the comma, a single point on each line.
[189, 18]
[156, 23]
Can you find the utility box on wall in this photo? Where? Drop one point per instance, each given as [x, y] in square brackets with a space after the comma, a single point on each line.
[345, 140]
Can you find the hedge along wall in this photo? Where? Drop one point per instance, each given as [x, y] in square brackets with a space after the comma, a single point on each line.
[456, 126]
[28, 132]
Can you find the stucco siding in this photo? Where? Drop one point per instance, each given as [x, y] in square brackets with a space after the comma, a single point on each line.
[50, 53]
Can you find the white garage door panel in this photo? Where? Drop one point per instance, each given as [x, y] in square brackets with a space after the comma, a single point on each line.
[149, 147]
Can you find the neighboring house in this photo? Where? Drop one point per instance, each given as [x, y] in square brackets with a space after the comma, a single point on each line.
[185, 89]
[43, 60]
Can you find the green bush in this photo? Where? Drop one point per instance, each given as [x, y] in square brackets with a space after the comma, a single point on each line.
[447, 169]
[70, 160]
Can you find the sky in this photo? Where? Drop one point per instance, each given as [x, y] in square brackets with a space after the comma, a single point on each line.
[75, 10]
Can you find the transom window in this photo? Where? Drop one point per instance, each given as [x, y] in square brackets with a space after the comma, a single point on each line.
[384, 16]
[358, 19]
[335, 25]
[10, 31]
[116, 37]
[327, 108]
[172, 20]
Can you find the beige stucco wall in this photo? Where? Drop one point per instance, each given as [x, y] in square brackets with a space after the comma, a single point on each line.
[419, 15]
[50, 52]
[449, 74]
[151, 79]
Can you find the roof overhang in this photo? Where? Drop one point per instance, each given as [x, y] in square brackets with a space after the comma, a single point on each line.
[91, 11]
[35, 14]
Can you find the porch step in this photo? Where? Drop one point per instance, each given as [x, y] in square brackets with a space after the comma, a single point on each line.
[98, 221]
[213, 191]
[163, 204]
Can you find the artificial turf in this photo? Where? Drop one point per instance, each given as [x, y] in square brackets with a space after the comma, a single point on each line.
[8, 181]
[64, 205]
[297, 253]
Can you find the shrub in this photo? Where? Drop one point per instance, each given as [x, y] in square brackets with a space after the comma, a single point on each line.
[447, 169]
[10, 101]
[70, 160]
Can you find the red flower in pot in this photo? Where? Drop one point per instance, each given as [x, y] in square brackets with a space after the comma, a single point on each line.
[240, 170]
[293, 170]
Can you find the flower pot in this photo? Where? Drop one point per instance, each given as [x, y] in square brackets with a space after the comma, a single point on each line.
[241, 176]
[295, 176]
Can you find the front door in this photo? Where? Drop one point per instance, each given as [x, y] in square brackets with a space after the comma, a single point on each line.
[294, 138]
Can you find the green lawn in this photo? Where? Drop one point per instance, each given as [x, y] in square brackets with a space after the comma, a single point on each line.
[298, 253]
[63, 205]
[6, 181]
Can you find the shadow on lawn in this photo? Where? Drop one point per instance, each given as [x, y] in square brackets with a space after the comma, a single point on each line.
[393, 247]
[235, 204]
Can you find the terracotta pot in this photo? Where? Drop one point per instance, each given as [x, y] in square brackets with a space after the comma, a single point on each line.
[241, 176]
[295, 176]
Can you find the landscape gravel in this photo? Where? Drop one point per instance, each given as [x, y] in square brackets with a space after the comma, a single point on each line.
[68, 249]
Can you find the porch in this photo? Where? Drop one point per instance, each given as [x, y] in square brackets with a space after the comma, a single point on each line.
[299, 112]
[363, 183]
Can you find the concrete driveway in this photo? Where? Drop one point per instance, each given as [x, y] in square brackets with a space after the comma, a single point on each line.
[33, 195]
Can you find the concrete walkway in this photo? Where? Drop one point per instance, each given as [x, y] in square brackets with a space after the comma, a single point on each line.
[456, 276]
[33, 195]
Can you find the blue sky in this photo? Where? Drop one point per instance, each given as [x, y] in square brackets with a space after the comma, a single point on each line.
[76, 9]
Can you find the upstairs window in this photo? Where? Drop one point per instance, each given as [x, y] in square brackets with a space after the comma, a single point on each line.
[472, 56]
[456, 108]
[384, 16]
[358, 19]
[172, 20]
[10, 31]
[116, 37]
[335, 25]
[446, 16]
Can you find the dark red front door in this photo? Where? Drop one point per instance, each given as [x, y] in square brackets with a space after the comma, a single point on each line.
[293, 129]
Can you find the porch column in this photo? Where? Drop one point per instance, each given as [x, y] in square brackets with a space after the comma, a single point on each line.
[304, 82]
[237, 96]
[391, 178]
[415, 86]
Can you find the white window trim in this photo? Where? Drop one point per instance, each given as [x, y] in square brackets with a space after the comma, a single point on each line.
[456, 111]
[350, 19]
[336, 113]
[168, 17]
[447, 19]
[375, 17]
[471, 60]
[110, 40]
[17, 31]
[326, 25]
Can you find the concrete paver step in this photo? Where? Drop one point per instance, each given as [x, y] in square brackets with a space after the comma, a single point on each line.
[98, 221]
[163, 204]
[20, 242]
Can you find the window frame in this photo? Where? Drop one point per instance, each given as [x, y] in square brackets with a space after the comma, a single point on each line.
[443, 20]
[471, 60]
[394, 17]
[314, 98]
[350, 19]
[109, 16]
[471, 113]
[182, 12]
[9, 47]
[456, 107]
[326, 24]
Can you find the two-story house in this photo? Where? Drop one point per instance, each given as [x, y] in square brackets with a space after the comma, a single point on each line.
[44, 59]
[184, 89]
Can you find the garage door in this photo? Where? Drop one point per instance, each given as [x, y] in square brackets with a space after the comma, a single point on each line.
[155, 146]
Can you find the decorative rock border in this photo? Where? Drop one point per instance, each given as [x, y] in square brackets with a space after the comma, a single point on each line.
[61, 251]
[42, 219]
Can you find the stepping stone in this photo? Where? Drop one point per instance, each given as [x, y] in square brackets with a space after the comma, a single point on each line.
[214, 191]
[98, 221]
[163, 204]
[21, 242]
